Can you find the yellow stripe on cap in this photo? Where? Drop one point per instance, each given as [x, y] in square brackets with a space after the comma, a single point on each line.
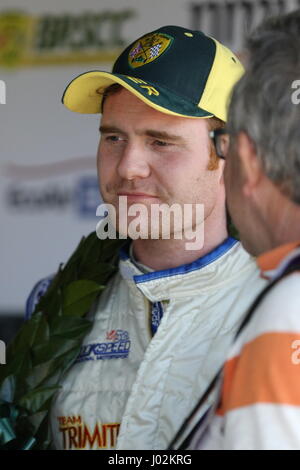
[225, 72]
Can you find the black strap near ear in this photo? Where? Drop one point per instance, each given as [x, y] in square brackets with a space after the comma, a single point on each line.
[294, 265]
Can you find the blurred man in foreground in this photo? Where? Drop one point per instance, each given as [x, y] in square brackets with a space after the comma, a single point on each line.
[259, 406]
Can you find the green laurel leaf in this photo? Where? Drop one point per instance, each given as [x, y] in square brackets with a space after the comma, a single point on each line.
[78, 297]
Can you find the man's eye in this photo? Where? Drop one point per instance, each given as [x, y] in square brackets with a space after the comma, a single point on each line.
[161, 143]
[113, 138]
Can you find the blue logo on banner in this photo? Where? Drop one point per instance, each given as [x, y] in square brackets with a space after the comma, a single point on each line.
[87, 196]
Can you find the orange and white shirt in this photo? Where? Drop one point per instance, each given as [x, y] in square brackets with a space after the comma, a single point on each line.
[259, 405]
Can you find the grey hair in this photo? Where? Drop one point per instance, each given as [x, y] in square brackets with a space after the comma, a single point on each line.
[261, 103]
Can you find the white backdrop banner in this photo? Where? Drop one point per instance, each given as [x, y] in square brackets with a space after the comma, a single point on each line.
[48, 180]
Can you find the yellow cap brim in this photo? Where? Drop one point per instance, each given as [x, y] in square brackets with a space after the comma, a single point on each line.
[84, 94]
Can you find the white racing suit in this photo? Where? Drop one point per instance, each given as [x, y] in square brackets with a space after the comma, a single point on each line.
[132, 386]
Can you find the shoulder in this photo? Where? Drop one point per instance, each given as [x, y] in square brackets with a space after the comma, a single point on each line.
[35, 295]
[237, 257]
[279, 309]
[276, 318]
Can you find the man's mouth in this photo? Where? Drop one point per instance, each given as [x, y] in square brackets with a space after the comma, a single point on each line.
[136, 195]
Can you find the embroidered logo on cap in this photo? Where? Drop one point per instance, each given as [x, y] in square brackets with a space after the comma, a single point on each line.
[148, 48]
[142, 84]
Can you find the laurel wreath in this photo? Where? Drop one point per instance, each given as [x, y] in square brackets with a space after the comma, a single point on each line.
[49, 343]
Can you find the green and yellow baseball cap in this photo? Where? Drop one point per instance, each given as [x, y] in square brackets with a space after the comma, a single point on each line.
[175, 70]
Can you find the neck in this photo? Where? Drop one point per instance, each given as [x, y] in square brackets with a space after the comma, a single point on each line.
[167, 254]
[286, 228]
[281, 221]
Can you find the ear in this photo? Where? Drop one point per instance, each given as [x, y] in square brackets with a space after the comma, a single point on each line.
[250, 165]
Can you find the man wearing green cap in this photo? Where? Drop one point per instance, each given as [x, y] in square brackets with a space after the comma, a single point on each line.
[165, 320]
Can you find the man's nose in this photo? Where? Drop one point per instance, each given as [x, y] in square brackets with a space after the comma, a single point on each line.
[133, 163]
